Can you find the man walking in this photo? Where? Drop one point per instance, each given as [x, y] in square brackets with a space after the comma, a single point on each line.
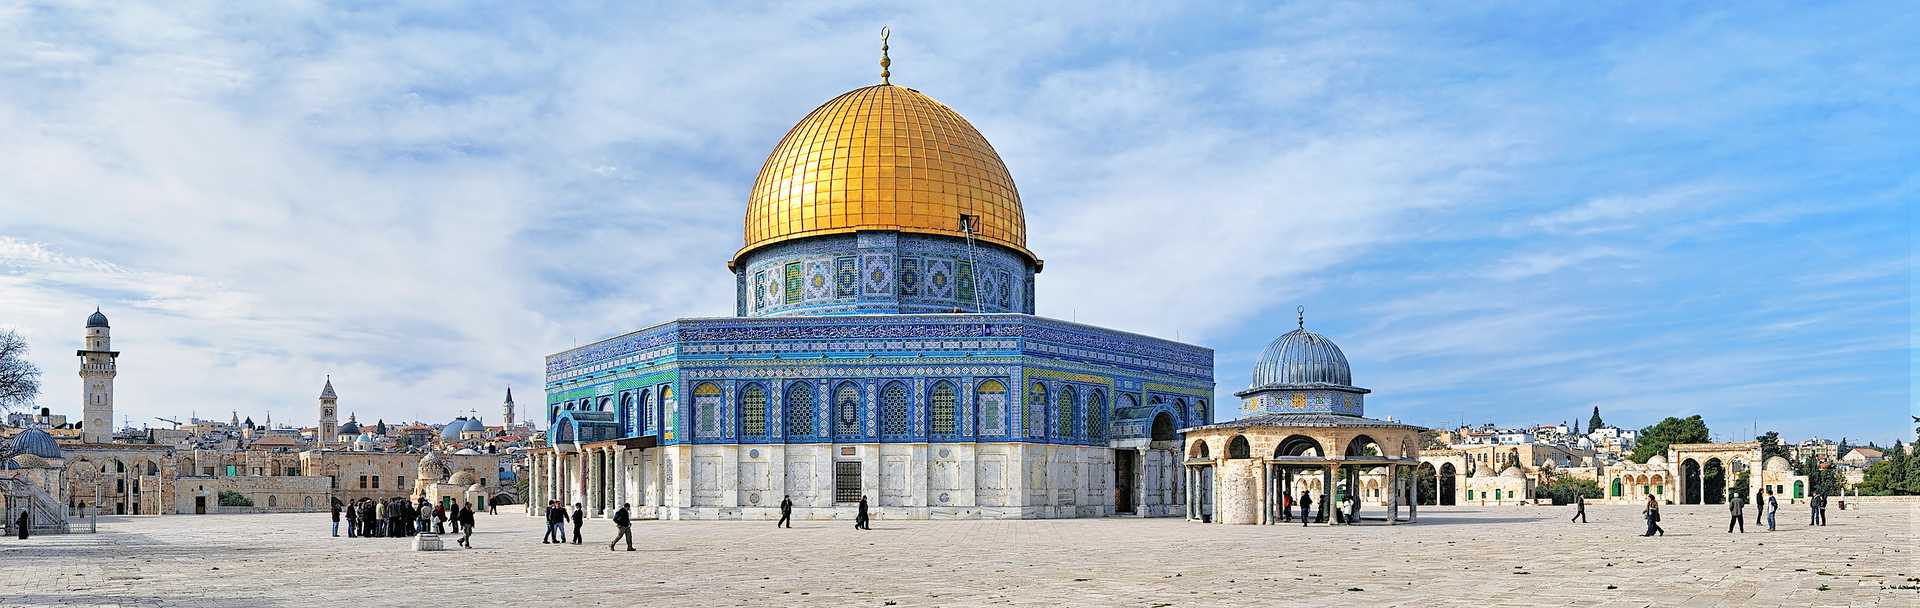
[465, 517]
[1822, 511]
[335, 506]
[625, 525]
[1579, 508]
[552, 520]
[1306, 507]
[860, 519]
[1738, 505]
[579, 518]
[786, 513]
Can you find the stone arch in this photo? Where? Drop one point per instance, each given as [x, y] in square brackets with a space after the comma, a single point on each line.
[605, 404]
[1238, 448]
[1714, 481]
[1298, 445]
[1426, 479]
[1163, 427]
[1690, 472]
[1361, 444]
[272, 501]
[1198, 449]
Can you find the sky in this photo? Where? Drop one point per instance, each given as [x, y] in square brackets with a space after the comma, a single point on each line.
[1506, 213]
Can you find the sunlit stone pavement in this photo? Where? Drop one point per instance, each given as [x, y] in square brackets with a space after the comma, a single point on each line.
[1486, 556]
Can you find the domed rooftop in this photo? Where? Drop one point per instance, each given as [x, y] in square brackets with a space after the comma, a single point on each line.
[1657, 460]
[97, 319]
[1301, 357]
[28, 461]
[462, 478]
[453, 428]
[1513, 472]
[883, 157]
[36, 442]
[467, 452]
[350, 428]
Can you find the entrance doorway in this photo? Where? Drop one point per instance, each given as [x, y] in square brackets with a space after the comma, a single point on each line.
[1123, 481]
[1689, 482]
[199, 505]
[1444, 487]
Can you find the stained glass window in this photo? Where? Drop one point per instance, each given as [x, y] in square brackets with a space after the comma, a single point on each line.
[1097, 415]
[991, 402]
[1064, 412]
[1036, 409]
[753, 411]
[646, 413]
[893, 409]
[799, 409]
[941, 402]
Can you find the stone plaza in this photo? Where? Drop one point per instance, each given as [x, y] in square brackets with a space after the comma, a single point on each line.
[1455, 556]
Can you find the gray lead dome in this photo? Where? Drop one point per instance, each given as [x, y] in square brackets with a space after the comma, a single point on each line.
[1301, 357]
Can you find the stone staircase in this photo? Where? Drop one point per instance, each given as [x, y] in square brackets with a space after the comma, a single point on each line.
[45, 514]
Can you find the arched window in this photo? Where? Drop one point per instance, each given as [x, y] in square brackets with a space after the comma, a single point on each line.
[846, 410]
[1064, 410]
[273, 501]
[753, 411]
[606, 403]
[1200, 410]
[627, 418]
[894, 417]
[940, 402]
[1238, 448]
[554, 414]
[706, 410]
[990, 400]
[799, 409]
[1097, 414]
[1036, 408]
[646, 411]
[309, 502]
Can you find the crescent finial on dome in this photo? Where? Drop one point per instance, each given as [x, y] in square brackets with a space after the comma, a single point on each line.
[885, 62]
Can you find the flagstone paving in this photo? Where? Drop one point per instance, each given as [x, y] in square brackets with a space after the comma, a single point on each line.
[1456, 556]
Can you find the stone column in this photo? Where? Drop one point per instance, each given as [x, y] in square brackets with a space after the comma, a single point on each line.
[1413, 493]
[1326, 491]
[1393, 494]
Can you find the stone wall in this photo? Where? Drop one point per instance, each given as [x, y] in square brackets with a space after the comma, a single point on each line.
[302, 494]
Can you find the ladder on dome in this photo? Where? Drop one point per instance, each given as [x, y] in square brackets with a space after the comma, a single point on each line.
[973, 264]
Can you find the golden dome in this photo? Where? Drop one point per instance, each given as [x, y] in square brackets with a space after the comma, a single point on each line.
[883, 157]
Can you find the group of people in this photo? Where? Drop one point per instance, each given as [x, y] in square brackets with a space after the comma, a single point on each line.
[398, 518]
[557, 517]
[1765, 504]
[1350, 515]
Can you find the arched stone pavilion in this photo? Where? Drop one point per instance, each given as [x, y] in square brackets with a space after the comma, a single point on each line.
[1305, 429]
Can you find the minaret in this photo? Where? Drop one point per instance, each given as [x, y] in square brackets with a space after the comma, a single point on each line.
[97, 370]
[508, 407]
[329, 403]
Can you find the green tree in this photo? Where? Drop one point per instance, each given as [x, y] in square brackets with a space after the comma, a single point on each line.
[1741, 485]
[1770, 447]
[230, 498]
[1896, 461]
[1821, 478]
[1882, 479]
[1594, 423]
[1654, 440]
[1563, 488]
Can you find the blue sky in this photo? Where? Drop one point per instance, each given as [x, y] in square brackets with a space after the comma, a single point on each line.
[1505, 213]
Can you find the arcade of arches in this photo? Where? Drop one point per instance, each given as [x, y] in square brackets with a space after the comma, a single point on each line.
[1240, 470]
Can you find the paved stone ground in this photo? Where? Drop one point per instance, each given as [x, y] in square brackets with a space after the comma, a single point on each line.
[1456, 556]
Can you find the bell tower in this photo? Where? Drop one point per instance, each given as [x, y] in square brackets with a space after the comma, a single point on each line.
[97, 370]
[507, 408]
[329, 403]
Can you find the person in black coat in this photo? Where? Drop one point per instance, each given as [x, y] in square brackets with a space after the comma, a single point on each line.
[786, 512]
[335, 508]
[624, 524]
[553, 521]
[1579, 508]
[579, 517]
[1306, 507]
[465, 518]
[860, 519]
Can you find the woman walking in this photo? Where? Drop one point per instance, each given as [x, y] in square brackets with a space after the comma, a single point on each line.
[1653, 518]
